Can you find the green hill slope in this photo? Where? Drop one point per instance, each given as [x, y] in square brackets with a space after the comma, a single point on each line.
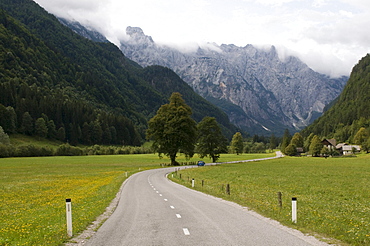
[351, 110]
[89, 90]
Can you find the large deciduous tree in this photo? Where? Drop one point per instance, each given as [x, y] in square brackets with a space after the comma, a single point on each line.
[361, 136]
[237, 143]
[172, 129]
[297, 140]
[211, 142]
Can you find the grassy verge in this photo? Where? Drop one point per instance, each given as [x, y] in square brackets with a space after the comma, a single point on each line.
[333, 194]
[33, 192]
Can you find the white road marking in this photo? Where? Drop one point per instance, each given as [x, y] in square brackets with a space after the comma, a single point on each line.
[154, 189]
[165, 200]
[186, 231]
[178, 216]
[172, 207]
[160, 194]
[157, 191]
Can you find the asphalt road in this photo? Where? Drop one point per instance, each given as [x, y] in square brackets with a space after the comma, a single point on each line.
[155, 211]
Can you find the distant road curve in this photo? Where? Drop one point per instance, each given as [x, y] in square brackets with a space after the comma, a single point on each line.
[155, 211]
[278, 155]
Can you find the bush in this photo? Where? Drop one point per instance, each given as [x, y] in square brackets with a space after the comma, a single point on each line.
[4, 138]
[291, 150]
[68, 150]
[6, 150]
[32, 151]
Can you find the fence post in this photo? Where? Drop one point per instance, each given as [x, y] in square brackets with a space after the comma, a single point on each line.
[228, 189]
[294, 210]
[279, 199]
[69, 217]
[202, 182]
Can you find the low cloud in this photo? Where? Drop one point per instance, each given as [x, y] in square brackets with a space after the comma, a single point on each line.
[330, 36]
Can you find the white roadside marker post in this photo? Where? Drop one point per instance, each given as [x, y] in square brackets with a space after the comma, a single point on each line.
[192, 183]
[69, 217]
[294, 210]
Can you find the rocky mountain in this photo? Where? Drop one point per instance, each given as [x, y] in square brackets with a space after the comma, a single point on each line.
[260, 92]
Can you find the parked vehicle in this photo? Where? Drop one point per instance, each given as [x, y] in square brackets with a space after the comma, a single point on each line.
[201, 163]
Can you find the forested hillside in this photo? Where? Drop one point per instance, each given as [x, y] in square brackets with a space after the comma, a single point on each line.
[351, 111]
[57, 84]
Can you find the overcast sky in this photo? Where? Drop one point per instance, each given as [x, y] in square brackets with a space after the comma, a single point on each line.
[331, 36]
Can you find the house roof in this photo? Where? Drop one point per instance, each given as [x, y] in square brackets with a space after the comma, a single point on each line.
[331, 142]
[349, 147]
[339, 146]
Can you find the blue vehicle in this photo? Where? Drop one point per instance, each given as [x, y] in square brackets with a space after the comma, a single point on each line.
[201, 163]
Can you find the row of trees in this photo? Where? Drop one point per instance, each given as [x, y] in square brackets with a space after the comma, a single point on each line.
[297, 144]
[32, 150]
[173, 130]
[312, 144]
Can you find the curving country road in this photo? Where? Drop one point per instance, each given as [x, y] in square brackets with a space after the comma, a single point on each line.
[155, 211]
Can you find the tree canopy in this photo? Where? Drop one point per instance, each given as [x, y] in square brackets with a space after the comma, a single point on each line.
[172, 129]
[315, 146]
[211, 142]
[237, 143]
[286, 140]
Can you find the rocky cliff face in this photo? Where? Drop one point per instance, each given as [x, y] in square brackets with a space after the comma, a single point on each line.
[260, 92]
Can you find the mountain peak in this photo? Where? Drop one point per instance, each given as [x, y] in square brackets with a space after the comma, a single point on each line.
[137, 35]
[134, 30]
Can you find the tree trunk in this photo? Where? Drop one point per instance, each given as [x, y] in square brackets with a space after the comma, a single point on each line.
[173, 160]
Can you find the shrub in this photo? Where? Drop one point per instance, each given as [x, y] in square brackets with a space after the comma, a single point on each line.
[6, 150]
[32, 151]
[291, 150]
[68, 150]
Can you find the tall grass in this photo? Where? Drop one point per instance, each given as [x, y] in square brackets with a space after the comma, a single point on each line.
[333, 194]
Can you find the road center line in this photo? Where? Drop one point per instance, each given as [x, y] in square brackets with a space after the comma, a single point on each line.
[186, 231]
[160, 194]
[178, 216]
[172, 207]
[165, 200]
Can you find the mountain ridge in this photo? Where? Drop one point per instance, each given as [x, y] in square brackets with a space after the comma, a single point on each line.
[273, 94]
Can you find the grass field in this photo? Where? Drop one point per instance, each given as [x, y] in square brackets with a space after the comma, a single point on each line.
[33, 192]
[333, 194]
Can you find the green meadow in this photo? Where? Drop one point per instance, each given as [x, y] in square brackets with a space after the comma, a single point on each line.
[33, 192]
[333, 195]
